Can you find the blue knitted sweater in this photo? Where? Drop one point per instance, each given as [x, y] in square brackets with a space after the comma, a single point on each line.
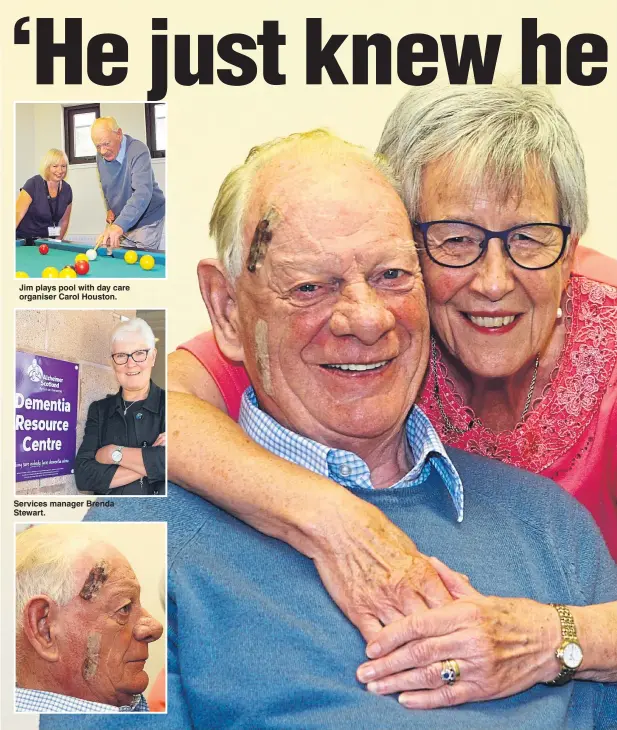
[130, 189]
[255, 642]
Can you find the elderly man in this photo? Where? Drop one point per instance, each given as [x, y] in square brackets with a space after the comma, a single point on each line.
[135, 203]
[317, 291]
[82, 634]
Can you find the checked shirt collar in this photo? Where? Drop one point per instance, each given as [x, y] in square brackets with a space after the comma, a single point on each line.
[346, 468]
[36, 700]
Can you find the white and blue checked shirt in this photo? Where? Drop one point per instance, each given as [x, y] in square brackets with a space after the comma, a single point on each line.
[344, 467]
[35, 700]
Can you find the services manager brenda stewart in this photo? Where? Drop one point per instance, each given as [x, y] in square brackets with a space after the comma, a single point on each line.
[123, 449]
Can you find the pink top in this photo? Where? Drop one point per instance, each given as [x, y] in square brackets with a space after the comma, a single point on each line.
[571, 433]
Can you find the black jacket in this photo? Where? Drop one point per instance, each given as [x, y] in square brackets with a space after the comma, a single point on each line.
[106, 425]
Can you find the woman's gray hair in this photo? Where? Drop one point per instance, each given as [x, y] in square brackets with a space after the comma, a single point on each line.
[228, 213]
[496, 135]
[45, 563]
[135, 326]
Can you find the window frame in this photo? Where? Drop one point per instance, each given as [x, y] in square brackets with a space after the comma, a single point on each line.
[69, 131]
[151, 130]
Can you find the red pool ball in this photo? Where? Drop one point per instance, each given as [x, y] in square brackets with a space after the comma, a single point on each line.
[43, 248]
[82, 267]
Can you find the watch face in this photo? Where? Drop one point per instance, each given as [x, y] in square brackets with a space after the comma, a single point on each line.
[572, 655]
[116, 455]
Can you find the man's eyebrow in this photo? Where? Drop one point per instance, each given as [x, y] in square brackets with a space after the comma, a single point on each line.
[95, 580]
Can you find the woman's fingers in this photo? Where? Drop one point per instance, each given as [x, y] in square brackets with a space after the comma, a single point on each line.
[428, 677]
[457, 583]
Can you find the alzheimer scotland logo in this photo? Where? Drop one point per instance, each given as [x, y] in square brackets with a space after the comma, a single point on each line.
[35, 372]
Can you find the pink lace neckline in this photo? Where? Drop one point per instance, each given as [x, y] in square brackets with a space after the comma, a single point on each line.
[568, 402]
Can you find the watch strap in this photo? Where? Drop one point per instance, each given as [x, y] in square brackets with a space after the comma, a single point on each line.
[568, 635]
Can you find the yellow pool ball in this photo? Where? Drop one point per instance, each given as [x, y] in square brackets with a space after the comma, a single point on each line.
[51, 272]
[21, 275]
[146, 262]
[81, 257]
[67, 273]
[130, 257]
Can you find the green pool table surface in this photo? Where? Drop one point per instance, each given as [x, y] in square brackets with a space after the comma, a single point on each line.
[62, 253]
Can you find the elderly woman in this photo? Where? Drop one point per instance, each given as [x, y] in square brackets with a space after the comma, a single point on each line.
[43, 207]
[123, 450]
[523, 368]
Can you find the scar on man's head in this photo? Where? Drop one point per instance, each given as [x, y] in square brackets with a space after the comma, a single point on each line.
[97, 576]
[91, 662]
[261, 240]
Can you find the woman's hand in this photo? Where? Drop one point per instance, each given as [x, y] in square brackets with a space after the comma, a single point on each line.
[161, 440]
[110, 217]
[502, 646]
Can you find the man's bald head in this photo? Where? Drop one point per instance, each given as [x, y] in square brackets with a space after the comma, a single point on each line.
[243, 220]
[107, 137]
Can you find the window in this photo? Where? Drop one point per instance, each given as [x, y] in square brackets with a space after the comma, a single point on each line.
[77, 122]
[156, 129]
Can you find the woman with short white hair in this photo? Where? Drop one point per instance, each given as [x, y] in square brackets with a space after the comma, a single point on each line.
[123, 449]
[44, 203]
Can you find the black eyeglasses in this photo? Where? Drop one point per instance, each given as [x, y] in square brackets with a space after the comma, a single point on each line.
[121, 358]
[457, 243]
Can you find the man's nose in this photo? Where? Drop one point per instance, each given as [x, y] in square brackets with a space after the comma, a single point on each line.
[147, 628]
[493, 278]
[361, 312]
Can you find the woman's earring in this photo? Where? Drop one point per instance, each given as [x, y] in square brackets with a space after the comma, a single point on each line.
[559, 312]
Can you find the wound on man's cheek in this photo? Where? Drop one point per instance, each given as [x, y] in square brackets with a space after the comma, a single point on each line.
[91, 662]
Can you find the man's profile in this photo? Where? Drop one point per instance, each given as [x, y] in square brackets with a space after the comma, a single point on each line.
[82, 634]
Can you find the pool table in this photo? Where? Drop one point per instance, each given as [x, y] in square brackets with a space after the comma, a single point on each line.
[61, 253]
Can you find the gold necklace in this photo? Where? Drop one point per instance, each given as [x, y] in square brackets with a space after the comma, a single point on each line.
[444, 417]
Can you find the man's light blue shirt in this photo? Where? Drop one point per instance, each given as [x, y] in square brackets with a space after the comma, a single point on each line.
[36, 700]
[121, 153]
[346, 468]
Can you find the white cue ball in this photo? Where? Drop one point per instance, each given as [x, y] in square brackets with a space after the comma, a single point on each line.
[91, 254]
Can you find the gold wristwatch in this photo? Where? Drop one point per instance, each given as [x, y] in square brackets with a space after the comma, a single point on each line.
[569, 652]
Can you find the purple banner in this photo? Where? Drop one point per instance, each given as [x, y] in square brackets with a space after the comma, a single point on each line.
[45, 416]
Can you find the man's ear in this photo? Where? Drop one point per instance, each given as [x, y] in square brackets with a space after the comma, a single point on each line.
[220, 299]
[39, 625]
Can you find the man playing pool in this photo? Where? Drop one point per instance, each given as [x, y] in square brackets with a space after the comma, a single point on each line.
[135, 203]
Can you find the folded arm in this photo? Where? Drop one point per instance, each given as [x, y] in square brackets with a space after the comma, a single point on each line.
[95, 471]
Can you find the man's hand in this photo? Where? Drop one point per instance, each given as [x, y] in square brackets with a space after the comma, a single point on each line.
[502, 646]
[110, 217]
[161, 440]
[110, 238]
[103, 455]
[374, 572]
